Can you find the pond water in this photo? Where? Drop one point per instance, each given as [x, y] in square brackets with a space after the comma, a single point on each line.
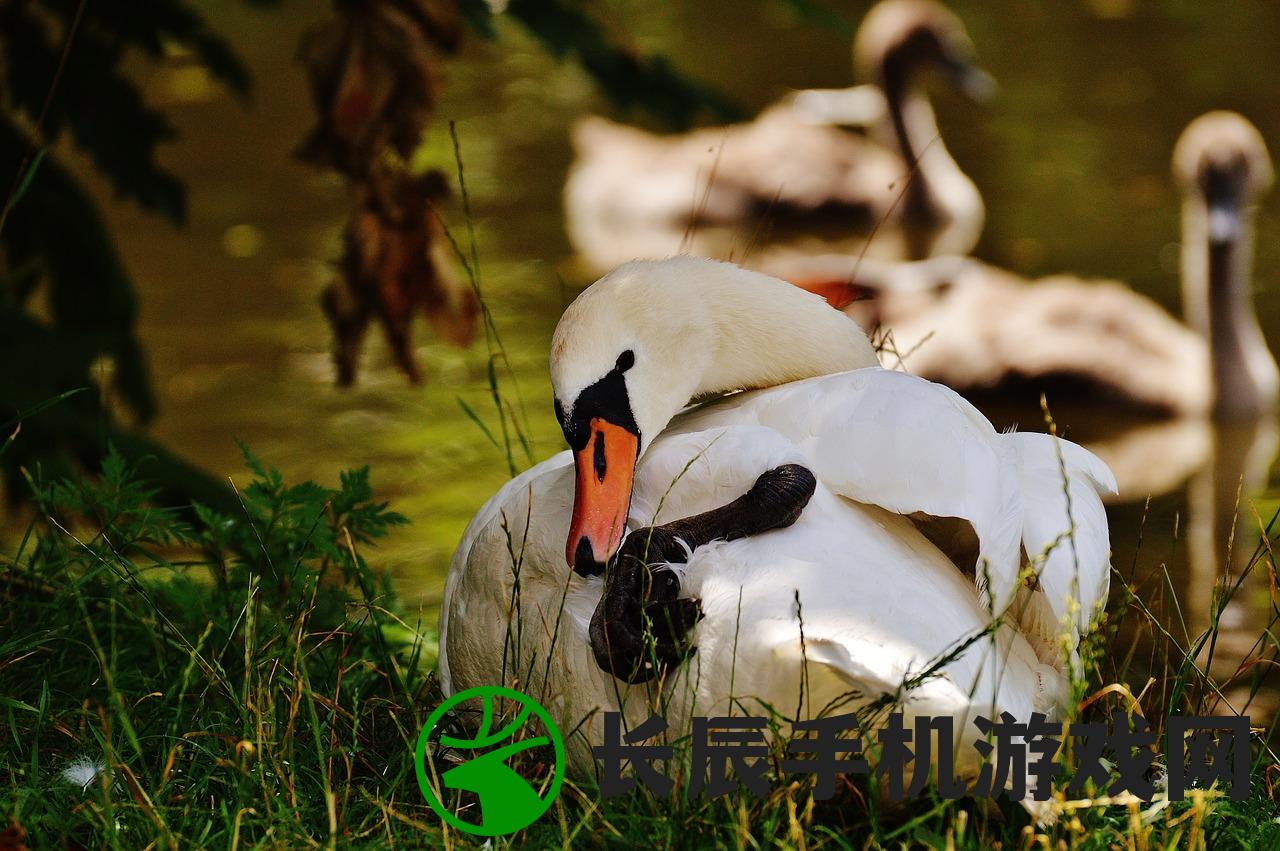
[1072, 158]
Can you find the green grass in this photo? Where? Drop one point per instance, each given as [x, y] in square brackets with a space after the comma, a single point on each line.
[238, 680]
[248, 682]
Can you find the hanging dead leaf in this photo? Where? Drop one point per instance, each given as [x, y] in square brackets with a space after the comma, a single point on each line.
[396, 263]
[372, 79]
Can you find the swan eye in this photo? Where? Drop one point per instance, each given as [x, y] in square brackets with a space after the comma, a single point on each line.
[626, 360]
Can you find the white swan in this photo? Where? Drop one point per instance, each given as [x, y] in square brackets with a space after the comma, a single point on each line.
[852, 597]
[990, 329]
[715, 192]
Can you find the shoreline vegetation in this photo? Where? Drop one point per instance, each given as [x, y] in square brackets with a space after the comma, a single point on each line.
[250, 681]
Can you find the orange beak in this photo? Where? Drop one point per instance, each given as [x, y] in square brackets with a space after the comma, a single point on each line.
[604, 470]
[839, 294]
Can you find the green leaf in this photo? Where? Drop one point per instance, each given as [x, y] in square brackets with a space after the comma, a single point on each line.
[628, 80]
[23, 185]
[475, 418]
[17, 704]
[43, 406]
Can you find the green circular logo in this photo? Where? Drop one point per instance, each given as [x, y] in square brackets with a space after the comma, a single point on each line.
[508, 801]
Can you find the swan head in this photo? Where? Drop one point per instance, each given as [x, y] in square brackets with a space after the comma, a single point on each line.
[1222, 161]
[899, 38]
[626, 356]
[643, 341]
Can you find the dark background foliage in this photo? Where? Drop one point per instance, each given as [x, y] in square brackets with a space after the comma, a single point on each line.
[76, 377]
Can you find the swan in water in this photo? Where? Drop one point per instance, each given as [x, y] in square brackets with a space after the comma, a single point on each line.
[713, 192]
[919, 522]
[989, 329]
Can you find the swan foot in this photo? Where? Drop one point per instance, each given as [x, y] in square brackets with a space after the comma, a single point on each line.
[641, 626]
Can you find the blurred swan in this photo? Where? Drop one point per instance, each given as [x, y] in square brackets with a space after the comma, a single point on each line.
[990, 329]
[791, 172]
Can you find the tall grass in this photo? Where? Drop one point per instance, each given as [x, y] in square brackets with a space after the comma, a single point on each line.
[236, 681]
[249, 682]
[512, 418]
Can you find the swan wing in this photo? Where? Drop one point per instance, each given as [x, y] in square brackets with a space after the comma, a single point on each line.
[910, 446]
[892, 440]
[1065, 531]
[516, 536]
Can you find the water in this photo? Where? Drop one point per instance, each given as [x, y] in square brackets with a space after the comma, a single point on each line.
[1072, 158]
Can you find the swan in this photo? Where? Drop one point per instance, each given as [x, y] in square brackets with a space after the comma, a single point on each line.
[868, 586]
[988, 328]
[633, 194]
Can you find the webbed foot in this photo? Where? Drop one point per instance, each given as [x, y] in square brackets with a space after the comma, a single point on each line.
[641, 625]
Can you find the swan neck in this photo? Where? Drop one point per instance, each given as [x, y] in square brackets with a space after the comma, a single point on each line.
[698, 328]
[911, 116]
[768, 333]
[928, 165]
[1219, 306]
